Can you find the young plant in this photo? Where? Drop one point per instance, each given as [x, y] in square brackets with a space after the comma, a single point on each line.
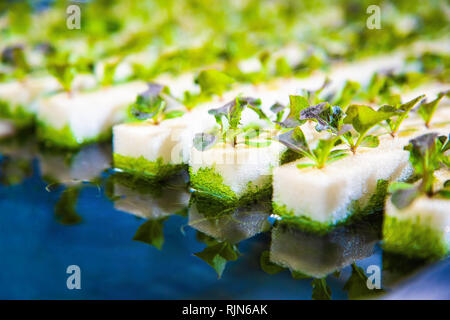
[426, 154]
[321, 155]
[152, 105]
[228, 118]
[64, 67]
[363, 118]
[427, 109]
[109, 71]
[211, 82]
[402, 110]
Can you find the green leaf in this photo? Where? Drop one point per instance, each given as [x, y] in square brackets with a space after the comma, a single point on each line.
[267, 265]
[151, 232]
[109, 71]
[426, 155]
[363, 117]
[321, 290]
[236, 113]
[427, 110]
[323, 150]
[218, 255]
[296, 105]
[151, 104]
[377, 82]
[63, 70]
[214, 82]
[405, 108]
[370, 142]
[444, 194]
[295, 140]
[232, 111]
[305, 165]
[336, 155]
[173, 114]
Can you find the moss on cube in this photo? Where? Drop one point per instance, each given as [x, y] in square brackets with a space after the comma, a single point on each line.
[153, 170]
[355, 212]
[64, 138]
[210, 183]
[413, 238]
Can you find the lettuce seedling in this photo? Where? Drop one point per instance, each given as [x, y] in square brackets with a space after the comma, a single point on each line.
[363, 118]
[109, 71]
[64, 67]
[403, 112]
[426, 154]
[153, 105]
[427, 109]
[321, 155]
[228, 118]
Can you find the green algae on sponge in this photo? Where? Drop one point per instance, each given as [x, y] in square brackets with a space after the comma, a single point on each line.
[208, 182]
[413, 238]
[17, 114]
[154, 170]
[355, 212]
[64, 138]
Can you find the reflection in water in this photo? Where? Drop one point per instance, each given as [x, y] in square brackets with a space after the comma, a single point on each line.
[149, 200]
[311, 255]
[72, 170]
[228, 224]
[319, 255]
[154, 201]
[65, 208]
[16, 160]
[221, 228]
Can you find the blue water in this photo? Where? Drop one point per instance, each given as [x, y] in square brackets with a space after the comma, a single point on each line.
[36, 249]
